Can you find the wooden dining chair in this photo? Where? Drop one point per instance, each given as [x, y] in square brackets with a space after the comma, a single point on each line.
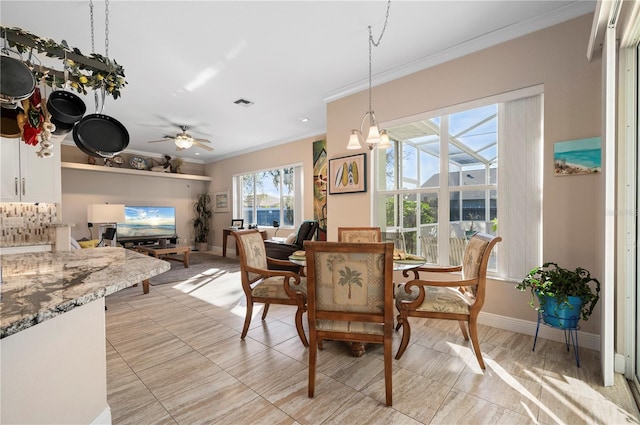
[350, 298]
[460, 299]
[359, 234]
[261, 285]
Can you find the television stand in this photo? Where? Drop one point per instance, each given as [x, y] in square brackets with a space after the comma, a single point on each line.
[151, 241]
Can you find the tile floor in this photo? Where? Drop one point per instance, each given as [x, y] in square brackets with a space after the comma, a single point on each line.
[175, 356]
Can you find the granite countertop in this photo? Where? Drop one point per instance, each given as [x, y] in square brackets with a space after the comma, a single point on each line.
[38, 286]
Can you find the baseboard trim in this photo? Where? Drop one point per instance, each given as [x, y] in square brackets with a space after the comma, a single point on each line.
[585, 339]
[619, 363]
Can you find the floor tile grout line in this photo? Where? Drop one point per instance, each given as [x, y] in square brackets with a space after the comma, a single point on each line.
[145, 385]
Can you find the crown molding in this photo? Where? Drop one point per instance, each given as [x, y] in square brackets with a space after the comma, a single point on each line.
[562, 14]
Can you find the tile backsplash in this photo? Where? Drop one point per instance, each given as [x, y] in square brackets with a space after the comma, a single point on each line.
[27, 224]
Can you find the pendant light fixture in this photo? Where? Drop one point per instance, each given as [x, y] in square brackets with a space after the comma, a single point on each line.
[375, 137]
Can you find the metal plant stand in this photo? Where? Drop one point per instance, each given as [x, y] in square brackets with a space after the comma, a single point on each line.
[570, 335]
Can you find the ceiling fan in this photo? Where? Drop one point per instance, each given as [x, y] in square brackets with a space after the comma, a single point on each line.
[184, 140]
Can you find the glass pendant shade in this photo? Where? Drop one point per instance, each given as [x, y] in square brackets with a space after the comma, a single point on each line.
[385, 143]
[374, 135]
[354, 141]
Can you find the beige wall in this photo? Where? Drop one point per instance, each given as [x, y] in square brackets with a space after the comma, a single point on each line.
[554, 57]
[222, 172]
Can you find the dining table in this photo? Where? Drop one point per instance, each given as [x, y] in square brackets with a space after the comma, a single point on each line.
[358, 348]
[398, 265]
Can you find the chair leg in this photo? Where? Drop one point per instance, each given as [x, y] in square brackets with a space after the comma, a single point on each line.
[312, 365]
[463, 328]
[388, 372]
[247, 318]
[406, 334]
[266, 309]
[299, 327]
[473, 330]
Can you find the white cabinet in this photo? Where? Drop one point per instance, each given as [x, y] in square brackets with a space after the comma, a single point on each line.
[25, 176]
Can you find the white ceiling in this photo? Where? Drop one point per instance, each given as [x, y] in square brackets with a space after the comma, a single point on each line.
[289, 58]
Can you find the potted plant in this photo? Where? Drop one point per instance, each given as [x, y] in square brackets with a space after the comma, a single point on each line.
[564, 295]
[471, 230]
[202, 208]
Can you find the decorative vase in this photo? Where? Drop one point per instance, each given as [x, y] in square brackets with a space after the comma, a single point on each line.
[560, 315]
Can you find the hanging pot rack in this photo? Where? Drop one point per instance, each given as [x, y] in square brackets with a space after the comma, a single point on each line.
[84, 72]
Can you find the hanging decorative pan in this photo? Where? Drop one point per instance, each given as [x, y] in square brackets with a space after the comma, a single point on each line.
[17, 81]
[101, 135]
[98, 133]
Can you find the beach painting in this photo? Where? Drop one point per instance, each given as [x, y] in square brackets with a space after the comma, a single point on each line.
[575, 157]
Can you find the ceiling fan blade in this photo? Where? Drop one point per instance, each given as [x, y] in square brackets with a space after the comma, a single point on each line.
[201, 140]
[157, 141]
[205, 147]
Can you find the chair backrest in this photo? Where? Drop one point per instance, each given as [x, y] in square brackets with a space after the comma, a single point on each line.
[398, 240]
[351, 283]
[359, 234]
[252, 253]
[430, 248]
[306, 231]
[474, 264]
[457, 247]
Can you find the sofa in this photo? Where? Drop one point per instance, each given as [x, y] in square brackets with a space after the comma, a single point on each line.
[282, 251]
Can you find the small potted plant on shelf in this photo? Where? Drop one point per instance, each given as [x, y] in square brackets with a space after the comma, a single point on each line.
[565, 296]
[202, 208]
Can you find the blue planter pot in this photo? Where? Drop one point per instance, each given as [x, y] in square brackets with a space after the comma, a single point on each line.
[561, 315]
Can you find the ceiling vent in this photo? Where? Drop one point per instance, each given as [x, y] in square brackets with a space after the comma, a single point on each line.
[243, 102]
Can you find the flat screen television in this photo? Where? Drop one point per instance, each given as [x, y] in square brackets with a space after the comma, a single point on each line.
[147, 223]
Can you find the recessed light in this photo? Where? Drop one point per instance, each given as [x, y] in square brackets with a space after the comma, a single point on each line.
[304, 119]
[197, 153]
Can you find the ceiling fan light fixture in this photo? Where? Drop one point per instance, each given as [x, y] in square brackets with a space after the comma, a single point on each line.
[184, 142]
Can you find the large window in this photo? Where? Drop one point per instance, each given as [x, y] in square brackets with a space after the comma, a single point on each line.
[268, 196]
[471, 168]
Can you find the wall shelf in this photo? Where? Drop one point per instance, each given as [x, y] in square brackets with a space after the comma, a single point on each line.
[103, 169]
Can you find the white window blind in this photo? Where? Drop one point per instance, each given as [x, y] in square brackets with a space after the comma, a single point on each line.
[520, 182]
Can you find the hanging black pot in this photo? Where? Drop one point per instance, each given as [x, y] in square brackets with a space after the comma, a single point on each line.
[100, 136]
[17, 81]
[61, 127]
[66, 107]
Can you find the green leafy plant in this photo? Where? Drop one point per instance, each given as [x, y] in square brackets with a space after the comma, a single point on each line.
[550, 280]
[202, 208]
